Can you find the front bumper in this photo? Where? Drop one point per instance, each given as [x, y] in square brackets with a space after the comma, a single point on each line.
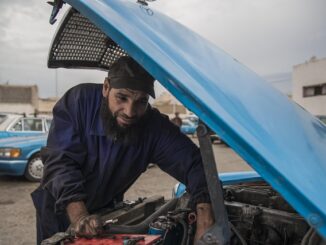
[12, 167]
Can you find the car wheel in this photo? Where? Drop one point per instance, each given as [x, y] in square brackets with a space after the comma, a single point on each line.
[34, 169]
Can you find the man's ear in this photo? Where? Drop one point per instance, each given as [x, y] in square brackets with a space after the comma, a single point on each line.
[106, 88]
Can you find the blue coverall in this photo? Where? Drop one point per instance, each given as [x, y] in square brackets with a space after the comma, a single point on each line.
[82, 163]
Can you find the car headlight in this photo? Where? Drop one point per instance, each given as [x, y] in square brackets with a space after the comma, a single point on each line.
[10, 152]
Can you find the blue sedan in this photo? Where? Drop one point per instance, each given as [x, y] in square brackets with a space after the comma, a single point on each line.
[188, 127]
[21, 156]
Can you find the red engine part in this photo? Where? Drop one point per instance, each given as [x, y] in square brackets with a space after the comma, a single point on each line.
[118, 239]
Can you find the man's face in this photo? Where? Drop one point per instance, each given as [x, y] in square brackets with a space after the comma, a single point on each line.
[127, 106]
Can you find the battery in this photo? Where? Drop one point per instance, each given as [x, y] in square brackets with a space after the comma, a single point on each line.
[118, 239]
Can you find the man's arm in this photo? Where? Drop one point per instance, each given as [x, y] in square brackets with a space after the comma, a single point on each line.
[65, 154]
[177, 155]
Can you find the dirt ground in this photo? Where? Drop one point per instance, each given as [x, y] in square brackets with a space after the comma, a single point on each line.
[17, 212]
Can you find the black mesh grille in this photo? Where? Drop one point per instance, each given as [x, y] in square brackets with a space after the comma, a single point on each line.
[80, 44]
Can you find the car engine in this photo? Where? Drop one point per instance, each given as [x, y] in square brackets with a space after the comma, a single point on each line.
[257, 215]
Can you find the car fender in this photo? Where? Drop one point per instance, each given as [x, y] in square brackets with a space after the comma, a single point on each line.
[32, 153]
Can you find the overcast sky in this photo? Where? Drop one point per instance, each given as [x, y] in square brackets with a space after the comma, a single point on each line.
[268, 36]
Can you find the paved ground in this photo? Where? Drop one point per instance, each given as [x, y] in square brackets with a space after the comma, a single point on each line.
[17, 213]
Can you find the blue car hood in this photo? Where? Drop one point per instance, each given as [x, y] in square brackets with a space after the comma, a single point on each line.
[284, 143]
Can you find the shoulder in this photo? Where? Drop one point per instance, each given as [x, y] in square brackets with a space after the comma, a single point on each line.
[81, 94]
[84, 91]
[165, 134]
[161, 121]
[78, 106]
[158, 117]
[80, 98]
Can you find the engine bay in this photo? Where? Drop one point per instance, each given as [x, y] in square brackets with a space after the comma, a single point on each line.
[257, 215]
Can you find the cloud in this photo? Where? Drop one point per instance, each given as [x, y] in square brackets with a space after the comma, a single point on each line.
[269, 36]
[25, 38]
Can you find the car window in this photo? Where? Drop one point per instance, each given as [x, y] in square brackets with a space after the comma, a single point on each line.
[48, 124]
[32, 124]
[17, 126]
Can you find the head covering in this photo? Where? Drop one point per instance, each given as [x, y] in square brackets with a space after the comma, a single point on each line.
[127, 73]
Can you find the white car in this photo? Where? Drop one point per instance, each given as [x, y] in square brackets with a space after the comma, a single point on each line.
[20, 125]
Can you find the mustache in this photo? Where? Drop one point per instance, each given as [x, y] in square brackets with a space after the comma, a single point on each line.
[128, 134]
[127, 118]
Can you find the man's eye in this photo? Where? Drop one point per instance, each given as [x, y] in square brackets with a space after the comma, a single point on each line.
[122, 98]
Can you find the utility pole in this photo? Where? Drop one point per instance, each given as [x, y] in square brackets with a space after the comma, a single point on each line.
[56, 82]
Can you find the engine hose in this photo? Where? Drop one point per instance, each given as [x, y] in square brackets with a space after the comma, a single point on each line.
[189, 234]
[185, 231]
[311, 238]
[143, 226]
[243, 241]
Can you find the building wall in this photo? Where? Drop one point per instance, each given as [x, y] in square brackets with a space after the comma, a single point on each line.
[17, 108]
[309, 85]
[45, 106]
[171, 109]
[167, 104]
[18, 99]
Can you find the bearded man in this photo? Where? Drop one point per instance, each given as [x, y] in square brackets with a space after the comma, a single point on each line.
[101, 139]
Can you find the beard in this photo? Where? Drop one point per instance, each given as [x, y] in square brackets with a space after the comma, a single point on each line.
[128, 134]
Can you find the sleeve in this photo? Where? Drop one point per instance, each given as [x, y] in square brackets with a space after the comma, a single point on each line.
[65, 153]
[178, 156]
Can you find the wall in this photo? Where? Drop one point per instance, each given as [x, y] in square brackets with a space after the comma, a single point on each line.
[310, 73]
[18, 99]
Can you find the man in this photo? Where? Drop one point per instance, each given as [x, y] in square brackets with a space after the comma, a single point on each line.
[102, 138]
[177, 120]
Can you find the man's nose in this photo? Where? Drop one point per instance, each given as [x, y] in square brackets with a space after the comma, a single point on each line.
[130, 110]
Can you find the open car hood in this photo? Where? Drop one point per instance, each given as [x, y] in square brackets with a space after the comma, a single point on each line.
[284, 143]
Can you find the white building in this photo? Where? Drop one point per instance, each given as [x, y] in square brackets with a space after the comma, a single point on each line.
[309, 85]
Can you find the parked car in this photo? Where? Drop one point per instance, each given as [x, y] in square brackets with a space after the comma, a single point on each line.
[190, 124]
[21, 156]
[284, 203]
[18, 125]
[188, 127]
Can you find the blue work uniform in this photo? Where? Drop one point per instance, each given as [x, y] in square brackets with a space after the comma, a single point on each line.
[82, 163]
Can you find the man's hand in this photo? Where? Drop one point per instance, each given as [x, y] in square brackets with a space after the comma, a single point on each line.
[205, 219]
[83, 224]
[88, 226]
